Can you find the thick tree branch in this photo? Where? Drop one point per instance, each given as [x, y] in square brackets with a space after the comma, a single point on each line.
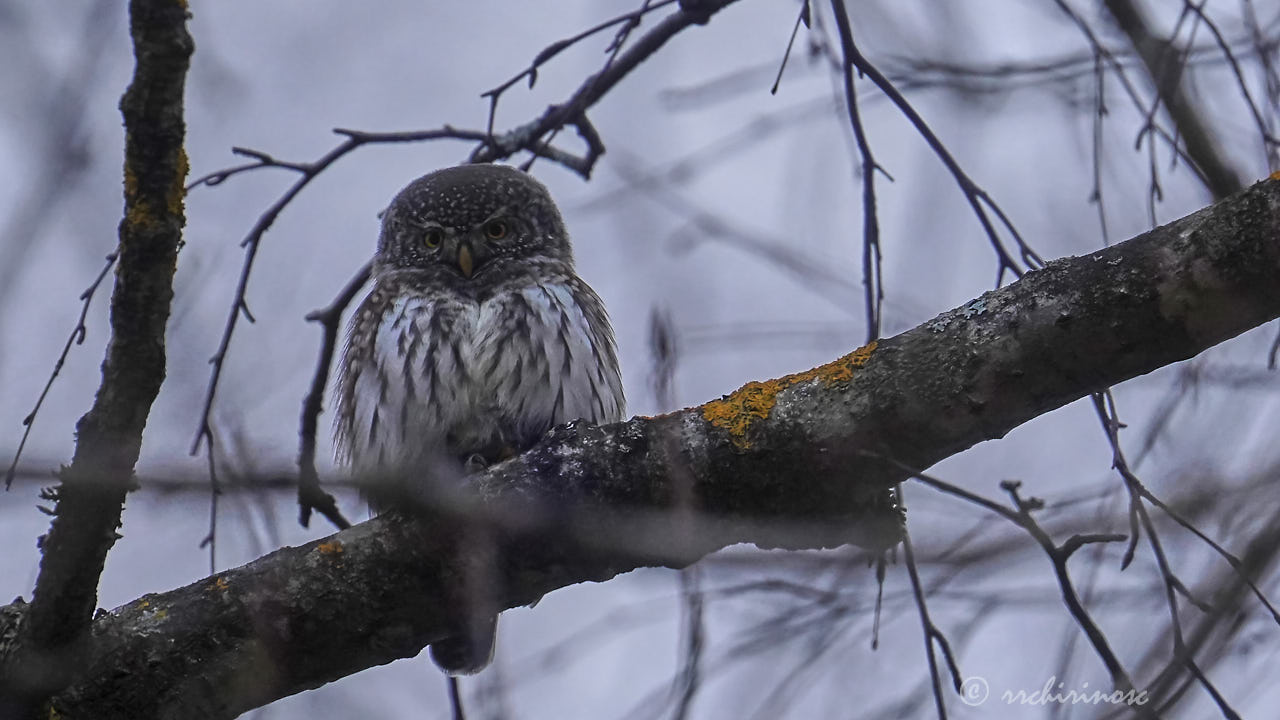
[109, 436]
[793, 462]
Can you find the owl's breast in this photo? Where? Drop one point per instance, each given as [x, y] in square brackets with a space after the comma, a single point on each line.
[451, 375]
[419, 390]
[543, 360]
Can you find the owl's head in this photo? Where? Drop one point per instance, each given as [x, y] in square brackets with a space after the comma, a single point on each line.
[471, 219]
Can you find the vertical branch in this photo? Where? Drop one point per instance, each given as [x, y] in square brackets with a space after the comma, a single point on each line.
[871, 261]
[1099, 115]
[664, 351]
[310, 495]
[109, 437]
[1160, 59]
[979, 201]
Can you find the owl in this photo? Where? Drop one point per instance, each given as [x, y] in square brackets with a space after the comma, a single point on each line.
[476, 339]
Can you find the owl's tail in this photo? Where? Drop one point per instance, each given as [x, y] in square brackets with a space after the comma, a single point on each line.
[470, 650]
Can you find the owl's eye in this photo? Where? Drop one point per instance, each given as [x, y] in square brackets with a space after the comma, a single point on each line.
[496, 229]
[432, 238]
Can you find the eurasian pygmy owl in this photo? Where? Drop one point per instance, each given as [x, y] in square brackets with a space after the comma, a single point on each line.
[477, 338]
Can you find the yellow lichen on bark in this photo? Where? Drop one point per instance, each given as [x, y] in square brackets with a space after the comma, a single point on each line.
[140, 212]
[737, 412]
[330, 547]
[178, 188]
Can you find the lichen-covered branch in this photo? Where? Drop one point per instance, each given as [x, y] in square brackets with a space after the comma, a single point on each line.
[108, 437]
[799, 462]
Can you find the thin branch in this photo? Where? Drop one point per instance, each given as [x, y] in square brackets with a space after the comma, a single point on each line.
[1167, 78]
[261, 160]
[917, 72]
[76, 337]
[573, 110]
[872, 279]
[803, 17]
[689, 678]
[932, 635]
[627, 20]
[210, 540]
[978, 198]
[704, 226]
[1117, 65]
[1021, 515]
[1104, 405]
[310, 496]
[1099, 115]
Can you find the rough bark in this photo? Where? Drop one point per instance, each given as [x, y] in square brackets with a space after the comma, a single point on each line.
[792, 462]
[47, 647]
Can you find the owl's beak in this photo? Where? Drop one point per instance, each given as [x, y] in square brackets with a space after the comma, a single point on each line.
[466, 262]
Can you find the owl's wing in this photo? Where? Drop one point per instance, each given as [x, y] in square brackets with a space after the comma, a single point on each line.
[547, 352]
[359, 391]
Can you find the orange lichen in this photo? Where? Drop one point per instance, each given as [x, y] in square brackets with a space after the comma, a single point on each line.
[737, 412]
[219, 583]
[330, 547]
[178, 188]
[1275, 175]
[141, 212]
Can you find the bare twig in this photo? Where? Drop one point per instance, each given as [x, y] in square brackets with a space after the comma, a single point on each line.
[210, 539]
[1099, 115]
[704, 226]
[1117, 65]
[932, 634]
[573, 110]
[724, 148]
[664, 353]
[1104, 404]
[1160, 57]
[689, 678]
[76, 337]
[978, 198]
[1021, 515]
[310, 496]
[627, 20]
[872, 280]
[919, 72]
[803, 17]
